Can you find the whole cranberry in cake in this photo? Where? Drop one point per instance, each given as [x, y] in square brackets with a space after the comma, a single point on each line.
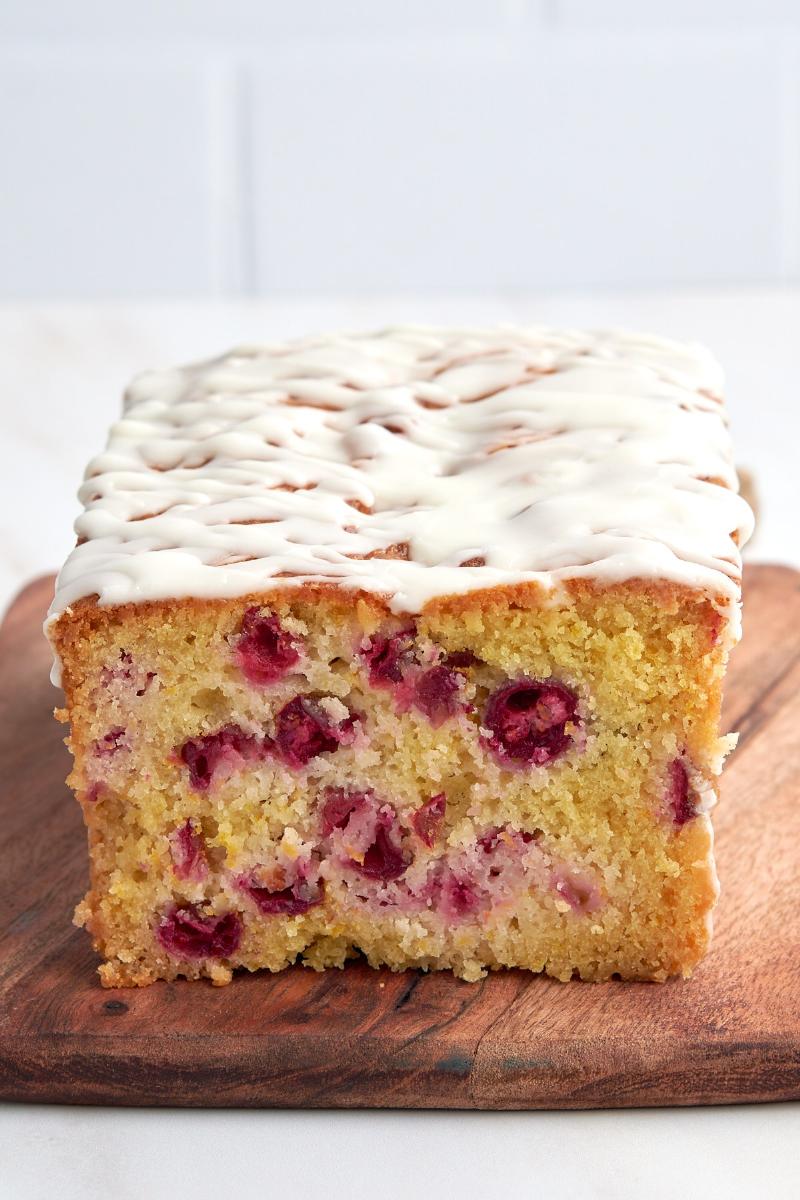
[290, 901]
[528, 722]
[679, 798]
[303, 729]
[436, 694]
[228, 747]
[388, 658]
[188, 850]
[427, 819]
[384, 859]
[265, 650]
[187, 933]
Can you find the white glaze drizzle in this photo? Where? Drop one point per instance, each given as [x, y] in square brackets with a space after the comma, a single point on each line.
[550, 455]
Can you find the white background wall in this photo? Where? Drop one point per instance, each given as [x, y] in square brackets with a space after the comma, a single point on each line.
[235, 147]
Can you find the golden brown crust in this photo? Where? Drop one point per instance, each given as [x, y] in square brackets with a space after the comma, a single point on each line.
[86, 614]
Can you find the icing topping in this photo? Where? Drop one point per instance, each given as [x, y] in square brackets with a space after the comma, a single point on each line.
[415, 463]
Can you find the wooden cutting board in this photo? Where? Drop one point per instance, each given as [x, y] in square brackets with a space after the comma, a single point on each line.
[359, 1037]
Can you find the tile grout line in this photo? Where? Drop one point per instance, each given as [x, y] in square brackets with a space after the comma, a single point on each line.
[248, 231]
[231, 249]
[789, 169]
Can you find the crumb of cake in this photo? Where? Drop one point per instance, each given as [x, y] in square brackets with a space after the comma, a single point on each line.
[110, 743]
[580, 892]
[332, 840]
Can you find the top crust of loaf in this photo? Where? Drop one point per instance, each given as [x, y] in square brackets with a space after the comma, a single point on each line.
[416, 466]
[70, 631]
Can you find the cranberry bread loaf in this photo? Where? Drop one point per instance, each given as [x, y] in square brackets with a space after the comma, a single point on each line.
[408, 644]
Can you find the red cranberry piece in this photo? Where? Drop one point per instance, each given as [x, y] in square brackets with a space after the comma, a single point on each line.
[393, 663]
[427, 819]
[111, 742]
[188, 849]
[384, 859]
[528, 721]
[303, 730]
[338, 806]
[458, 897]
[203, 755]
[265, 651]
[286, 902]
[461, 659]
[186, 933]
[436, 694]
[680, 800]
[387, 658]
[148, 679]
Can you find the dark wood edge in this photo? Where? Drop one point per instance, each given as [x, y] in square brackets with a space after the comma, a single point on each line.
[96, 1070]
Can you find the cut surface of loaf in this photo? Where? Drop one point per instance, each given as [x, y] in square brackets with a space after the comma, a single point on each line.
[408, 644]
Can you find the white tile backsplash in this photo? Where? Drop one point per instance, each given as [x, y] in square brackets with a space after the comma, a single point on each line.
[109, 179]
[236, 21]
[565, 162]
[676, 14]
[195, 147]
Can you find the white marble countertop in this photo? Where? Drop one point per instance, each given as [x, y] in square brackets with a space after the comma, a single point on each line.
[62, 369]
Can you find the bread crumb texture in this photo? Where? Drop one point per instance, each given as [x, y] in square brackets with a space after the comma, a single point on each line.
[505, 780]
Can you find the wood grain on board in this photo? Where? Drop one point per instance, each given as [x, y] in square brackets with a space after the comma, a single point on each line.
[369, 1038]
